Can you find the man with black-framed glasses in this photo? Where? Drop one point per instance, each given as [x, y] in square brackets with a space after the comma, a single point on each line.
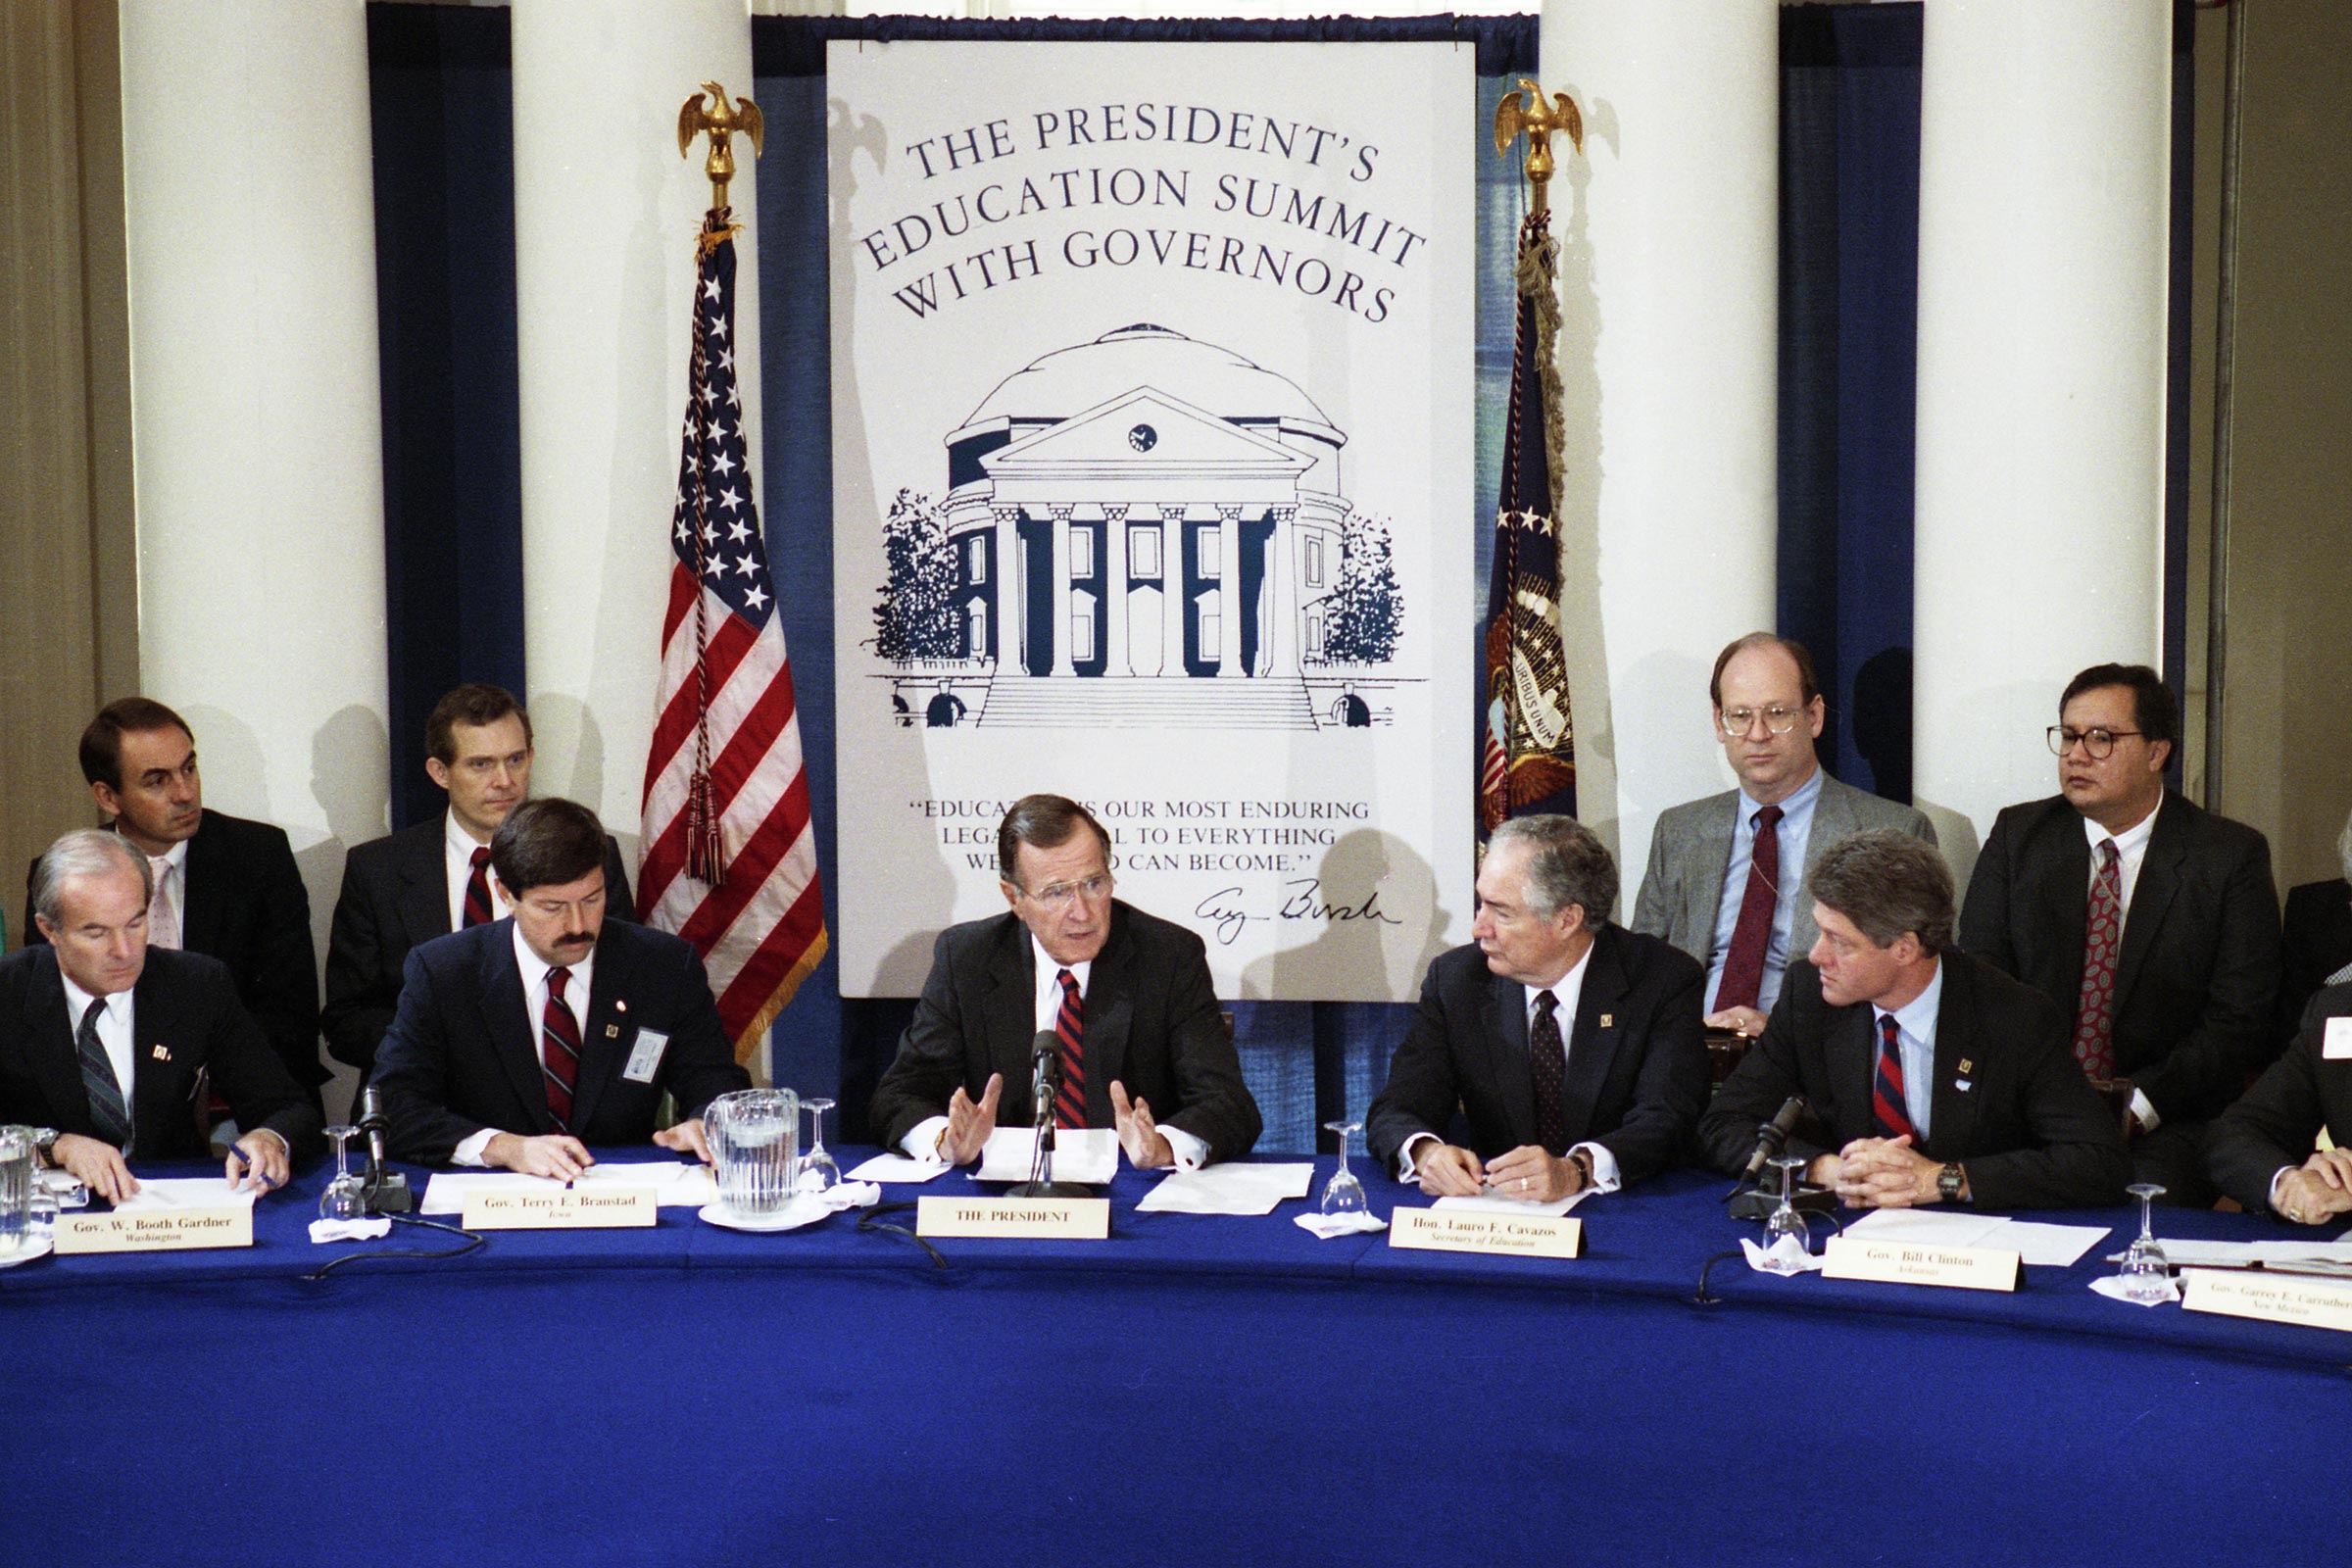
[1715, 885]
[1128, 995]
[2152, 921]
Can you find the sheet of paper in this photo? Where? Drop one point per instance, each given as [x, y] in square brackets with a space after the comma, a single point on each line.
[2181, 1254]
[1937, 1226]
[185, 1191]
[897, 1168]
[1512, 1205]
[1229, 1188]
[676, 1184]
[1088, 1156]
[2041, 1246]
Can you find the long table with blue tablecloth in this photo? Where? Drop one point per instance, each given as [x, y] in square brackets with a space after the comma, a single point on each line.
[1196, 1390]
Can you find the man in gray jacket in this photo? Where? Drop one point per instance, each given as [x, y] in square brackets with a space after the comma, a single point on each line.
[1714, 887]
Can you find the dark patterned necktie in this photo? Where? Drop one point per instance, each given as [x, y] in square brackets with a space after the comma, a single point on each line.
[1744, 967]
[1547, 1064]
[2102, 939]
[560, 1056]
[1069, 1024]
[1887, 1102]
[477, 890]
[107, 1108]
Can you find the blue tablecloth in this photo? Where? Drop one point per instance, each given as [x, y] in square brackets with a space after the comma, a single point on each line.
[1198, 1388]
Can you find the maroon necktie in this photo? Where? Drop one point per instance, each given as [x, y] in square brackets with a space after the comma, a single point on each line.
[1547, 1064]
[559, 1052]
[1744, 967]
[2102, 938]
[1070, 1023]
[477, 890]
[1886, 1101]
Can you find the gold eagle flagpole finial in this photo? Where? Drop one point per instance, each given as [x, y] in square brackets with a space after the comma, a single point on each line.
[711, 112]
[1539, 120]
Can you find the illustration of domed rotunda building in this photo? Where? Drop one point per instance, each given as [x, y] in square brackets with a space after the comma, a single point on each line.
[1146, 529]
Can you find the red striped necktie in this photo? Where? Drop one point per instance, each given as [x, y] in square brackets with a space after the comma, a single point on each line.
[1070, 1023]
[559, 1052]
[1887, 1102]
[477, 890]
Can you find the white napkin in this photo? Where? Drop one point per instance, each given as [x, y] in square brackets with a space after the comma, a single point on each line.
[1784, 1248]
[323, 1231]
[849, 1194]
[1325, 1226]
[2110, 1285]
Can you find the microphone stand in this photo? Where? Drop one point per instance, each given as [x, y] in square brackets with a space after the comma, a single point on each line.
[387, 1190]
[1044, 1082]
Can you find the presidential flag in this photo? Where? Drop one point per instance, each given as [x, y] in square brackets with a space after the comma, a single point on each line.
[730, 861]
[1529, 759]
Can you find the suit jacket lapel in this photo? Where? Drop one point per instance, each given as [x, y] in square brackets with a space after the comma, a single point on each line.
[1952, 1109]
[49, 1028]
[1711, 854]
[1504, 1004]
[2065, 896]
[2159, 879]
[425, 890]
[200, 880]
[512, 1031]
[1593, 1048]
[606, 1031]
[1109, 1019]
[161, 1088]
[1009, 1022]
[1851, 1047]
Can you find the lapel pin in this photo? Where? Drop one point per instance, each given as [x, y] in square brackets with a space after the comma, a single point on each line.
[1967, 1067]
[620, 1005]
[611, 1031]
[161, 1051]
[1608, 1021]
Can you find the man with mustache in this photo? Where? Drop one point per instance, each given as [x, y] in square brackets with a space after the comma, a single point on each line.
[433, 877]
[521, 1042]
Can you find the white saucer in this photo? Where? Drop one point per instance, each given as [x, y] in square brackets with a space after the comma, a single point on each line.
[796, 1212]
[26, 1251]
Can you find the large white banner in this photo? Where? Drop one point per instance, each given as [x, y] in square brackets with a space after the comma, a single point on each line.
[1151, 446]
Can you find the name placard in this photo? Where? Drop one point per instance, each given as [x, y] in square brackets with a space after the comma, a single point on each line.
[566, 1209]
[1068, 1219]
[1969, 1268]
[2275, 1297]
[1440, 1230]
[155, 1230]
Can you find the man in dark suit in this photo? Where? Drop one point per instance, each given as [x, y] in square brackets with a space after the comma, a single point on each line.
[2316, 947]
[1612, 1102]
[1127, 994]
[1930, 1076]
[518, 1043]
[224, 886]
[1715, 887]
[2152, 923]
[432, 878]
[2261, 1148]
[105, 1042]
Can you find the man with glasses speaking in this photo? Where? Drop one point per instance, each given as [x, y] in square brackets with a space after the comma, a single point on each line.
[2153, 923]
[1143, 1044]
[1716, 887]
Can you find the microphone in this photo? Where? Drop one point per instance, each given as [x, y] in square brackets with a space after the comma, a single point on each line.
[1044, 1075]
[1773, 1137]
[387, 1190]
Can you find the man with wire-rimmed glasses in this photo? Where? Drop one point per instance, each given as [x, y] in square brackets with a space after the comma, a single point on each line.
[2152, 921]
[1715, 885]
[1143, 1044]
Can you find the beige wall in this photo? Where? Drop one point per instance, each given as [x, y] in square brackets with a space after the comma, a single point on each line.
[2286, 758]
[69, 593]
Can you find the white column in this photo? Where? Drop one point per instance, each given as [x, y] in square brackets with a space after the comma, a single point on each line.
[1229, 593]
[1282, 583]
[604, 217]
[1012, 582]
[1669, 227]
[1062, 635]
[257, 440]
[2045, 158]
[1114, 589]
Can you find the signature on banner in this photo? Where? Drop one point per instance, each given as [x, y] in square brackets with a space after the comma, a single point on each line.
[1302, 899]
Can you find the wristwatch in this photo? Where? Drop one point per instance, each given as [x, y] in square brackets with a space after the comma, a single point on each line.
[44, 1139]
[1582, 1159]
[1948, 1183]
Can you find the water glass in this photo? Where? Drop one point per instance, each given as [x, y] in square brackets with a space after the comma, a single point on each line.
[17, 1160]
[754, 1139]
[1343, 1193]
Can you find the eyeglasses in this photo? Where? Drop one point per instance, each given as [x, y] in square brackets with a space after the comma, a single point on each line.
[1735, 721]
[1058, 895]
[2097, 742]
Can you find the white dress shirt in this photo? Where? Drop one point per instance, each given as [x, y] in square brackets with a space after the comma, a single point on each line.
[535, 970]
[922, 1139]
[114, 1032]
[2131, 854]
[1566, 993]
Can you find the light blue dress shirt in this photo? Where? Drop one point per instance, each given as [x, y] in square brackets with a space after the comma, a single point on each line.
[1794, 829]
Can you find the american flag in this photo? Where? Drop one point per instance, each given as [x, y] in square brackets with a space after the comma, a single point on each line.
[730, 863]
[1528, 763]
